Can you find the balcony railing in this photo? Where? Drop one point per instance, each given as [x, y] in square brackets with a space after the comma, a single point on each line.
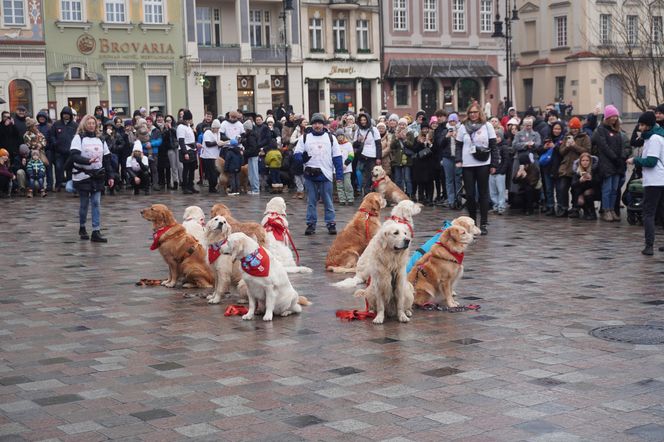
[221, 54]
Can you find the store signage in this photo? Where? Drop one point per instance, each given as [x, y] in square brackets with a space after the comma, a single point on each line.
[87, 44]
[348, 70]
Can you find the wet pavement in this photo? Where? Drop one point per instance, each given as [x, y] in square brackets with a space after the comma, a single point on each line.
[88, 356]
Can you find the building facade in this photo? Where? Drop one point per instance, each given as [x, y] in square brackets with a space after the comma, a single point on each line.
[22, 56]
[341, 53]
[559, 46]
[236, 55]
[440, 55]
[120, 54]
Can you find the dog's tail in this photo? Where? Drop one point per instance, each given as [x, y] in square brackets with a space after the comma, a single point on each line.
[298, 269]
[349, 283]
[302, 300]
[335, 269]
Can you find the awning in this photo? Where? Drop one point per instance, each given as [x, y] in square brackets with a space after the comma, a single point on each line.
[439, 68]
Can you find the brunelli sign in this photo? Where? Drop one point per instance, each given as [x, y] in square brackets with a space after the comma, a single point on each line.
[109, 48]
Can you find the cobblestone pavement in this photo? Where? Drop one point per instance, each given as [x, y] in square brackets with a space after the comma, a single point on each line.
[88, 356]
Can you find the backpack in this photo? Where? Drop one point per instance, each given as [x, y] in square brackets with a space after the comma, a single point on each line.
[304, 138]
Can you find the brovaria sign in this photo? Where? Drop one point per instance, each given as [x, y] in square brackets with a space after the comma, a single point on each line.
[87, 44]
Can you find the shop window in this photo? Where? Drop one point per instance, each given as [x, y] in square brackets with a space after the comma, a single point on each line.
[210, 95]
[71, 10]
[278, 83]
[13, 12]
[469, 91]
[120, 92]
[157, 87]
[115, 11]
[20, 93]
[245, 93]
[153, 11]
[342, 96]
[402, 94]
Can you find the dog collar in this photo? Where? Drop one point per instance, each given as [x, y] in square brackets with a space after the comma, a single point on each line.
[376, 183]
[214, 250]
[455, 255]
[158, 234]
[403, 221]
[256, 263]
[368, 212]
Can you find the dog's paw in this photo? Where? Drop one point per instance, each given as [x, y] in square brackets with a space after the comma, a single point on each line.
[409, 313]
[403, 317]
[214, 299]
[379, 319]
[210, 296]
[267, 316]
[248, 317]
[286, 313]
[169, 284]
[453, 304]
[188, 285]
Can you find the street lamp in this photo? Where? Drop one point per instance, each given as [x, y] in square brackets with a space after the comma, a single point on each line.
[498, 33]
[287, 6]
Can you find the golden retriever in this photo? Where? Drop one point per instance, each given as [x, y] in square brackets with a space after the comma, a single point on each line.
[265, 277]
[389, 293]
[222, 182]
[354, 238]
[253, 230]
[279, 241]
[193, 220]
[386, 187]
[227, 272]
[184, 255]
[468, 224]
[436, 273]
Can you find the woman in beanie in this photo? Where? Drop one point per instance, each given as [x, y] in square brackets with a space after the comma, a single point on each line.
[607, 141]
[211, 144]
[187, 143]
[652, 162]
[576, 143]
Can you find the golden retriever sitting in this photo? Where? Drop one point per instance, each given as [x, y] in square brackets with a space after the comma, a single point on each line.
[354, 238]
[193, 221]
[222, 182]
[279, 241]
[227, 273]
[467, 223]
[389, 293]
[253, 230]
[184, 255]
[436, 273]
[386, 187]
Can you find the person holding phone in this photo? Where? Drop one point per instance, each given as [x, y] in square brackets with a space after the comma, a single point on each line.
[576, 143]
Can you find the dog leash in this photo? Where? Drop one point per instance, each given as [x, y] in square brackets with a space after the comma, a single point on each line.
[430, 306]
[368, 214]
[145, 282]
[356, 315]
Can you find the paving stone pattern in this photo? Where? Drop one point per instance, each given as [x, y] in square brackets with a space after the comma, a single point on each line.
[88, 356]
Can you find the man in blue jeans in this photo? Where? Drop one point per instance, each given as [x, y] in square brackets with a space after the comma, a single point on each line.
[319, 151]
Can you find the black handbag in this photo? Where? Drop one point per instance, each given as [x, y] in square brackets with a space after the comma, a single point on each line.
[312, 172]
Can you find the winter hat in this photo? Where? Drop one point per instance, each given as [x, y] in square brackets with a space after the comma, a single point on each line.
[269, 120]
[381, 124]
[660, 109]
[216, 124]
[128, 123]
[611, 111]
[515, 122]
[340, 132]
[138, 147]
[393, 117]
[453, 117]
[424, 125]
[334, 124]
[419, 112]
[648, 118]
[403, 121]
[433, 119]
[24, 150]
[574, 123]
[248, 125]
[317, 118]
[4, 153]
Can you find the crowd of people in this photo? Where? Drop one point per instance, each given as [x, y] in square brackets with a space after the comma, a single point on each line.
[528, 162]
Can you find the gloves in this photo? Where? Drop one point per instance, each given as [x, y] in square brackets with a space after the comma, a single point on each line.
[305, 157]
[348, 161]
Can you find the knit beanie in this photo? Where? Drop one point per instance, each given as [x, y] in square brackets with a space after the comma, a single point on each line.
[611, 111]
[248, 125]
[574, 123]
[393, 117]
[648, 118]
[216, 124]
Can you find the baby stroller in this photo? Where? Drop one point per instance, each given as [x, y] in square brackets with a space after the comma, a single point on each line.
[633, 198]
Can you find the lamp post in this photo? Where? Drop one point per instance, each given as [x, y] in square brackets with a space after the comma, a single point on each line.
[287, 6]
[498, 33]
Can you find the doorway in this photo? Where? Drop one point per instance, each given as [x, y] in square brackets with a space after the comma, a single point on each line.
[210, 95]
[429, 96]
[79, 104]
[313, 87]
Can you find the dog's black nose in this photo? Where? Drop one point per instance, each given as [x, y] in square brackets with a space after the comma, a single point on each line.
[406, 242]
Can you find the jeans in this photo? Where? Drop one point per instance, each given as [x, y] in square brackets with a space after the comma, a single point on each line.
[610, 191]
[275, 176]
[86, 197]
[345, 190]
[652, 196]
[234, 181]
[31, 183]
[548, 186]
[176, 166]
[254, 178]
[497, 191]
[188, 170]
[402, 176]
[315, 191]
[564, 184]
[50, 169]
[299, 182]
[211, 173]
[60, 178]
[452, 179]
[366, 165]
[477, 176]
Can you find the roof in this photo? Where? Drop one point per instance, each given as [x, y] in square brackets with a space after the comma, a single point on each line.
[439, 68]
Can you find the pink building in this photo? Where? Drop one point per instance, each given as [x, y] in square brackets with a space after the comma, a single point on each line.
[440, 54]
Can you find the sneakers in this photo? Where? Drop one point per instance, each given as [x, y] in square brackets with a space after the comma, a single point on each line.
[29, 193]
[251, 192]
[484, 230]
[96, 237]
[332, 229]
[234, 194]
[311, 230]
[83, 234]
[648, 251]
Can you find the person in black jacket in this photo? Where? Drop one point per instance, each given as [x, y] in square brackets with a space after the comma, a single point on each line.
[439, 128]
[20, 120]
[251, 150]
[497, 181]
[424, 165]
[608, 143]
[62, 134]
[10, 138]
[44, 127]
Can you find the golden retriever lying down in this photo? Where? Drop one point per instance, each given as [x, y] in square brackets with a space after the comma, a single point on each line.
[253, 230]
[222, 182]
[389, 293]
[227, 272]
[354, 238]
[265, 277]
[436, 273]
[386, 187]
[184, 255]
[193, 220]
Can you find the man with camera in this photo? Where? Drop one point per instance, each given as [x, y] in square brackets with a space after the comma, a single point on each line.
[319, 151]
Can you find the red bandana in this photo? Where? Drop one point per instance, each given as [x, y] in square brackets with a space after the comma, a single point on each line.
[236, 310]
[457, 256]
[257, 263]
[276, 225]
[375, 184]
[403, 221]
[156, 235]
[368, 214]
[214, 251]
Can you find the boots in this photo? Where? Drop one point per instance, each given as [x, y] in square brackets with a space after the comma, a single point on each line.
[589, 212]
[607, 216]
[96, 237]
[83, 234]
[573, 213]
[42, 193]
[28, 193]
[615, 216]
[300, 195]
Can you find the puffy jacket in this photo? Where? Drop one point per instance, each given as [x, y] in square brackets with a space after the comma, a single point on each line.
[569, 154]
[402, 150]
[233, 160]
[250, 144]
[45, 128]
[608, 144]
[264, 136]
[63, 133]
[273, 159]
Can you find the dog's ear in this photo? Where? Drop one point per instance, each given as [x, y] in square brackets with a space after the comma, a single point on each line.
[417, 208]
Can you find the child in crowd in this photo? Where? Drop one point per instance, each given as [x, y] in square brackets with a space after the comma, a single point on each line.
[273, 159]
[35, 170]
[345, 190]
[138, 169]
[528, 177]
[233, 165]
[6, 175]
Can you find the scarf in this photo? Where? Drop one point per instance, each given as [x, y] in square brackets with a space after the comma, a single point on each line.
[157, 235]
[471, 128]
[656, 130]
[214, 251]
[256, 263]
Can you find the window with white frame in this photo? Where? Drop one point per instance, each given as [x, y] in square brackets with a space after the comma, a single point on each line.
[605, 28]
[401, 94]
[203, 26]
[459, 15]
[259, 28]
[400, 22]
[632, 25]
[560, 88]
[657, 29]
[115, 11]
[71, 10]
[266, 28]
[486, 16]
[157, 92]
[339, 33]
[120, 92]
[13, 12]
[316, 34]
[430, 15]
[362, 27]
[560, 27]
[153, 11]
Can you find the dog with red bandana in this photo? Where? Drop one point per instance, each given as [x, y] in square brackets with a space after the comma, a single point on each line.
[279, 240]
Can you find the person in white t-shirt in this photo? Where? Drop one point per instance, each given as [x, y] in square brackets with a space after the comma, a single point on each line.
[477, 154]
[210, 152]
[345, 188]
[188, 158]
